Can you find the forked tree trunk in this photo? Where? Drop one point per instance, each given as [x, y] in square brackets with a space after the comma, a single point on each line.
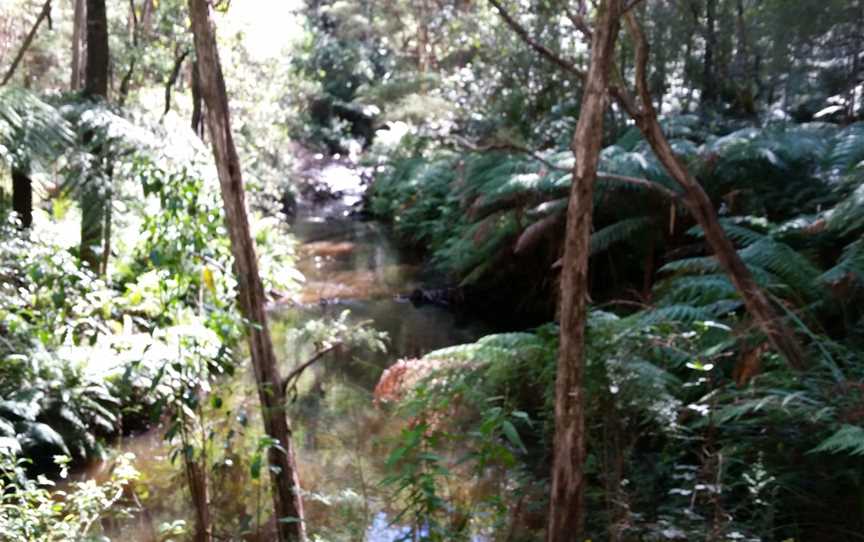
[94, 197]
[288, 507]
[567, 507]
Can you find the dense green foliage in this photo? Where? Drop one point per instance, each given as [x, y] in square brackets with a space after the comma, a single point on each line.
[696, 428]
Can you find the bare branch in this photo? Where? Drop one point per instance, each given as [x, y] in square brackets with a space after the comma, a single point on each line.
[508, 146]
[293, 375]
[544, 51]
[172, 78]
[579, 21]
[44, 14]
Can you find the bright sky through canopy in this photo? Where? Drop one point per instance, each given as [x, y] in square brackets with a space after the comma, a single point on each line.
[268, 26]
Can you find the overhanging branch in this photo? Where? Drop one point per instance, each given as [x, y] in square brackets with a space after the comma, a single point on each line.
[544, 51]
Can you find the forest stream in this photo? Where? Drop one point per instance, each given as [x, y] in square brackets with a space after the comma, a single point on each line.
[412, 271]
[340, 436]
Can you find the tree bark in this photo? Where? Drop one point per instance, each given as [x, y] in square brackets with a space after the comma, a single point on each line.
[94, 197]
[96, 75]
[78, 23]
[288, 507]
[566, 511]
[709, 83]
[197, 121]
[196, 477]
[699, 204]
[22, 196]
[44, 14]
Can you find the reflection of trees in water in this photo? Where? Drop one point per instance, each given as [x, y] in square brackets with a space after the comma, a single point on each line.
[342, 446]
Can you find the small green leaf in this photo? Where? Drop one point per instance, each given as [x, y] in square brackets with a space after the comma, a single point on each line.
[255, 467]
[512, 435]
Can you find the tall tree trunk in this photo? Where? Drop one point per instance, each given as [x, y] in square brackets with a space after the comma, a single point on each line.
[22, 195]
[96, 75]
[743, 71]
[566, 511]
[758, 306]
[79, 22]
[288, 508]
[147, 10]
[643, 113]
[93, 199]
[709, 83]
[44, 14]
[424, 47]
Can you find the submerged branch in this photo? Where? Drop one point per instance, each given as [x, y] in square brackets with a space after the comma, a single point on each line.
[295, 374]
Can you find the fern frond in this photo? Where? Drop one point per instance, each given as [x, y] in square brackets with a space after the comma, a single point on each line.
[699, 264]
[494, 348]
[31, 130]
[697, 290]
[742, 235]
[675, 313]
[848, 215]
[795, 270]
[622, 230]
[849, 439]
[850, 264]
[847, 150]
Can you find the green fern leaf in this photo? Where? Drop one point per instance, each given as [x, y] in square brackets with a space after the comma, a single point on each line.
[622, 230]
[848, 439]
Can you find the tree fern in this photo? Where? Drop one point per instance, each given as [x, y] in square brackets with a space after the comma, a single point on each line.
[495, 348]
[31, 130]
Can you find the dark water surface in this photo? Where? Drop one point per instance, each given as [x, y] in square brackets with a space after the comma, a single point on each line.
[341, 438]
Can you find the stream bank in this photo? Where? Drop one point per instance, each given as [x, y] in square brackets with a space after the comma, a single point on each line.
[342, 440]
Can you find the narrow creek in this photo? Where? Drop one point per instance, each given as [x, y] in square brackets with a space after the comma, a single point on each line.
[340, 436]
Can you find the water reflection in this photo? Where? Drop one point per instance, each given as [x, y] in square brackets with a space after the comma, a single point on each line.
[341, 439]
